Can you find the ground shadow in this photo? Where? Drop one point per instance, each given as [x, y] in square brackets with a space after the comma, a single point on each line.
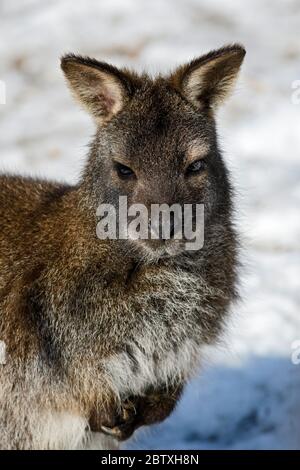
[255, 405]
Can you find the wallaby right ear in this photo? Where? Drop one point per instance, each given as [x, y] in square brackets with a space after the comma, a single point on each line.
[208, 80]
[101, 88]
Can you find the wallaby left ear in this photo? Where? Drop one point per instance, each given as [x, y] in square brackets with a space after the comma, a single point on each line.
[208, 80]
[101, 88]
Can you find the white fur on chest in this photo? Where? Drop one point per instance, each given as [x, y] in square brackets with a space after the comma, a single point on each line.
[159, 356]
[67, 431]
[61, 430]
[173, 368]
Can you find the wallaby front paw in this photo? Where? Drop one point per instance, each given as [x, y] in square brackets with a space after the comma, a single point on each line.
[153, 407]
[124, 422]
[137, 411]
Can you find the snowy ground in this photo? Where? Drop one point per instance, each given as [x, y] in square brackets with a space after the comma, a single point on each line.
[249, 394]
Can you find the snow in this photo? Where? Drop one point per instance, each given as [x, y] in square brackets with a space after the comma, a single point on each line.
[248, 395]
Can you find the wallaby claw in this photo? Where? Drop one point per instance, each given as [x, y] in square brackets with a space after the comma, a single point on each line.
[128, 411]
[114, 432]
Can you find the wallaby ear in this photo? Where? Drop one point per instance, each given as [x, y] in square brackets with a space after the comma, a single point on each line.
[208, 80]
[101, 88]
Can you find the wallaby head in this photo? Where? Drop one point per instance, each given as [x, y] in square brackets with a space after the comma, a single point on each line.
[156, 141]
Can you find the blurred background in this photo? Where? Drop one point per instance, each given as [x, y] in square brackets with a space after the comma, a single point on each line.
[248, 395]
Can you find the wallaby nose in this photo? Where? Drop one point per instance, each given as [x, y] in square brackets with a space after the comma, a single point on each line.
[164, 230]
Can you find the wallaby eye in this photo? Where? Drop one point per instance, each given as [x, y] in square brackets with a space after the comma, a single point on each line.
[196, 167]
[123, 170]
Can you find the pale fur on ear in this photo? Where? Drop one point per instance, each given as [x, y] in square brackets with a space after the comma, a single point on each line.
[209, 80]
[101, 88]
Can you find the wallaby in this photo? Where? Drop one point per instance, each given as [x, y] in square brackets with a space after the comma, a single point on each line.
[103, 334]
